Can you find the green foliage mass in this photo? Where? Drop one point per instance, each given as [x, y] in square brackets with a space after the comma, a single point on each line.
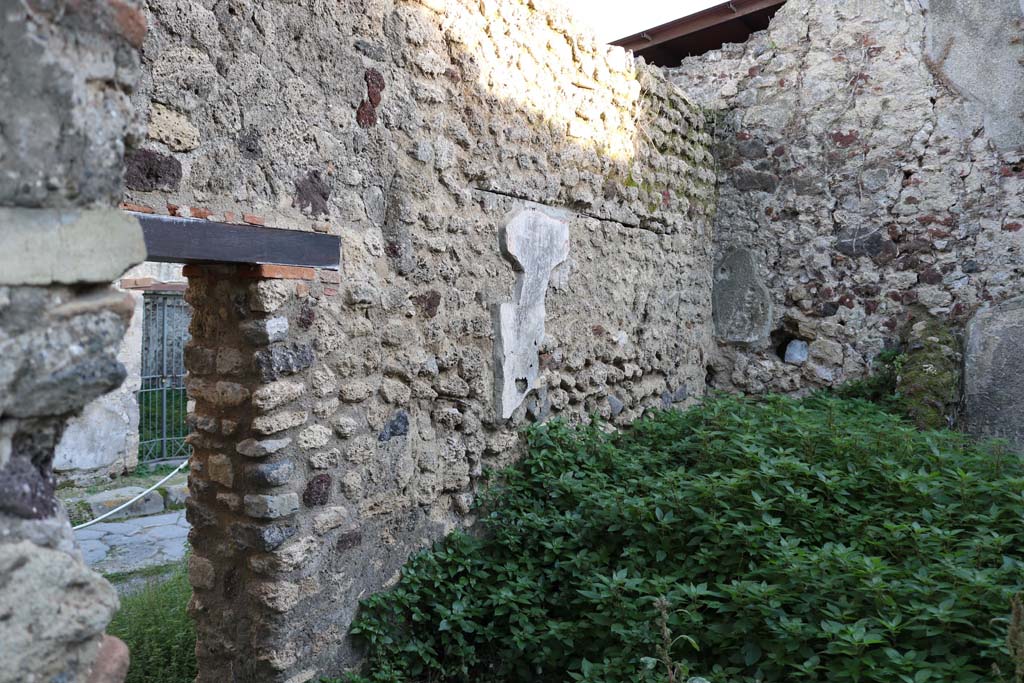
[155, 625]
[880, 385]
[745, 540]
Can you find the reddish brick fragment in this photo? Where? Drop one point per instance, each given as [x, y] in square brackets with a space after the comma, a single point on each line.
[276, 272]
[845, 139]
[130, 21]
[366, 115]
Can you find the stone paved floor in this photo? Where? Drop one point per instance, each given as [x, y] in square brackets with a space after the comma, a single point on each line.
[132, 544]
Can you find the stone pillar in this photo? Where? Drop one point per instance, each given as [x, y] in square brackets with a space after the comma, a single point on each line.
[261, 500]
[66, 72]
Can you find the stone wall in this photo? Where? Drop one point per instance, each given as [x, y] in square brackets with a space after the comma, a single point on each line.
[103, 441]
[523, 218]
[871, 171]
[66, 70]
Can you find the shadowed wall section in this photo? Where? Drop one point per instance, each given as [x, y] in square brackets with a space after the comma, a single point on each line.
[66, 71]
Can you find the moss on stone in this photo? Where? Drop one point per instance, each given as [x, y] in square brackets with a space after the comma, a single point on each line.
[928, 383]
[78, 512]
[920, 379]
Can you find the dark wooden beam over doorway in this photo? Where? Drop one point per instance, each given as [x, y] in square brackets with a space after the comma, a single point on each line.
[170, 239]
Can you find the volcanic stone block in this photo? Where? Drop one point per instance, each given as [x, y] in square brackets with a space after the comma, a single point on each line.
[318, 491]
[149, 171]
[266, 296]
[265, 331]
[271, 507]
[796, 352]
[264, 537]
[398, 425]
[279, 421]
[201, 573]
[220, 470]
[55, 616]
[276, 394]
[279, 360]
[62, 366]
[271, 473]
[315, 436]
[25, 490]
[331, 518]
[260, 449]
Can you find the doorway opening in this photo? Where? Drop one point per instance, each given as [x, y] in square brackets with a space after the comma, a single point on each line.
[162, 400]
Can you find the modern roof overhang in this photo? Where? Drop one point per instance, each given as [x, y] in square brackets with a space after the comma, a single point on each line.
[729, 22]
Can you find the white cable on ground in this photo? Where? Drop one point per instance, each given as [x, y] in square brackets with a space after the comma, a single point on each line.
[124, 505]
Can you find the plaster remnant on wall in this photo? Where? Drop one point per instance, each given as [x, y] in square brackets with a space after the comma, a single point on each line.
[975, 46]
[535, 242]
[994, 372]
[741, 304]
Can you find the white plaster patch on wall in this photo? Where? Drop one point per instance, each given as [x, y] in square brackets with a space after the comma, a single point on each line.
[535, 241]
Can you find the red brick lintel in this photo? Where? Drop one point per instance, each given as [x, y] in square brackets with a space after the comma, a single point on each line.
[255, 271]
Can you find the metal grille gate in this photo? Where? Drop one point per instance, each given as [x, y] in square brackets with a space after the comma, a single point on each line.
[163, 403]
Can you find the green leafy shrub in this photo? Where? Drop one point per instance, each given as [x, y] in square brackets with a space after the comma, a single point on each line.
[880, 385]
[744, 540]
[155, 625]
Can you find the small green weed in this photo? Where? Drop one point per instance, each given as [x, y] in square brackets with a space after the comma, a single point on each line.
[160, 570]
[155, 625]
